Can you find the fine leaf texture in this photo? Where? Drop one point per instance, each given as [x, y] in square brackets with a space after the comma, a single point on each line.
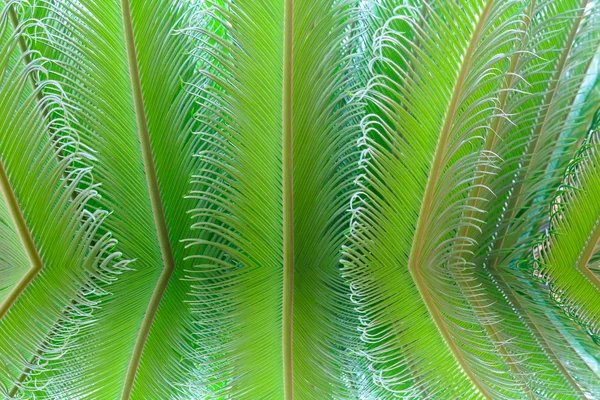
[386, 230]
[49, 197]
[563, 258]
[299, 199]
[238, 275]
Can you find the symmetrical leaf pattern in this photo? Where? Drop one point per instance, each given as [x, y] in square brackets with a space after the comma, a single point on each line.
[311, 199]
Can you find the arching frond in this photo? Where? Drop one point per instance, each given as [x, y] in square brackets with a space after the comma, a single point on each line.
[240, 190]
[419, 159]
[309, 199]
[49, 196]
[563, 258]
[84, 43]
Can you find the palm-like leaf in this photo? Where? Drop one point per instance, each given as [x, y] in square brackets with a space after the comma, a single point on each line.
[239, 275]
[397, 206]
[386, 217]
[49, 195]
[258, 199]
[564, 258]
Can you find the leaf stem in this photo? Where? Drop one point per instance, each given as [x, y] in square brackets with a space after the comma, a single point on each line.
[26, 240]
[155, 201]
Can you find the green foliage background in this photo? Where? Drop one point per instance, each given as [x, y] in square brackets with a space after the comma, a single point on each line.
[311, 199]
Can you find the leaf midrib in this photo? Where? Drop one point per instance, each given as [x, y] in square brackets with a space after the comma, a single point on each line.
[14, 208]
[288, 203]
[26, 240]
[155, 201]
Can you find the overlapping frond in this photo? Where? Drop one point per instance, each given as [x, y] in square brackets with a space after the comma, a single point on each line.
[319, 199]
[540, 352]
[534, 142]
[419, 160]
[241, 113]
[45, 177]
[84, 40]
[562, 259]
